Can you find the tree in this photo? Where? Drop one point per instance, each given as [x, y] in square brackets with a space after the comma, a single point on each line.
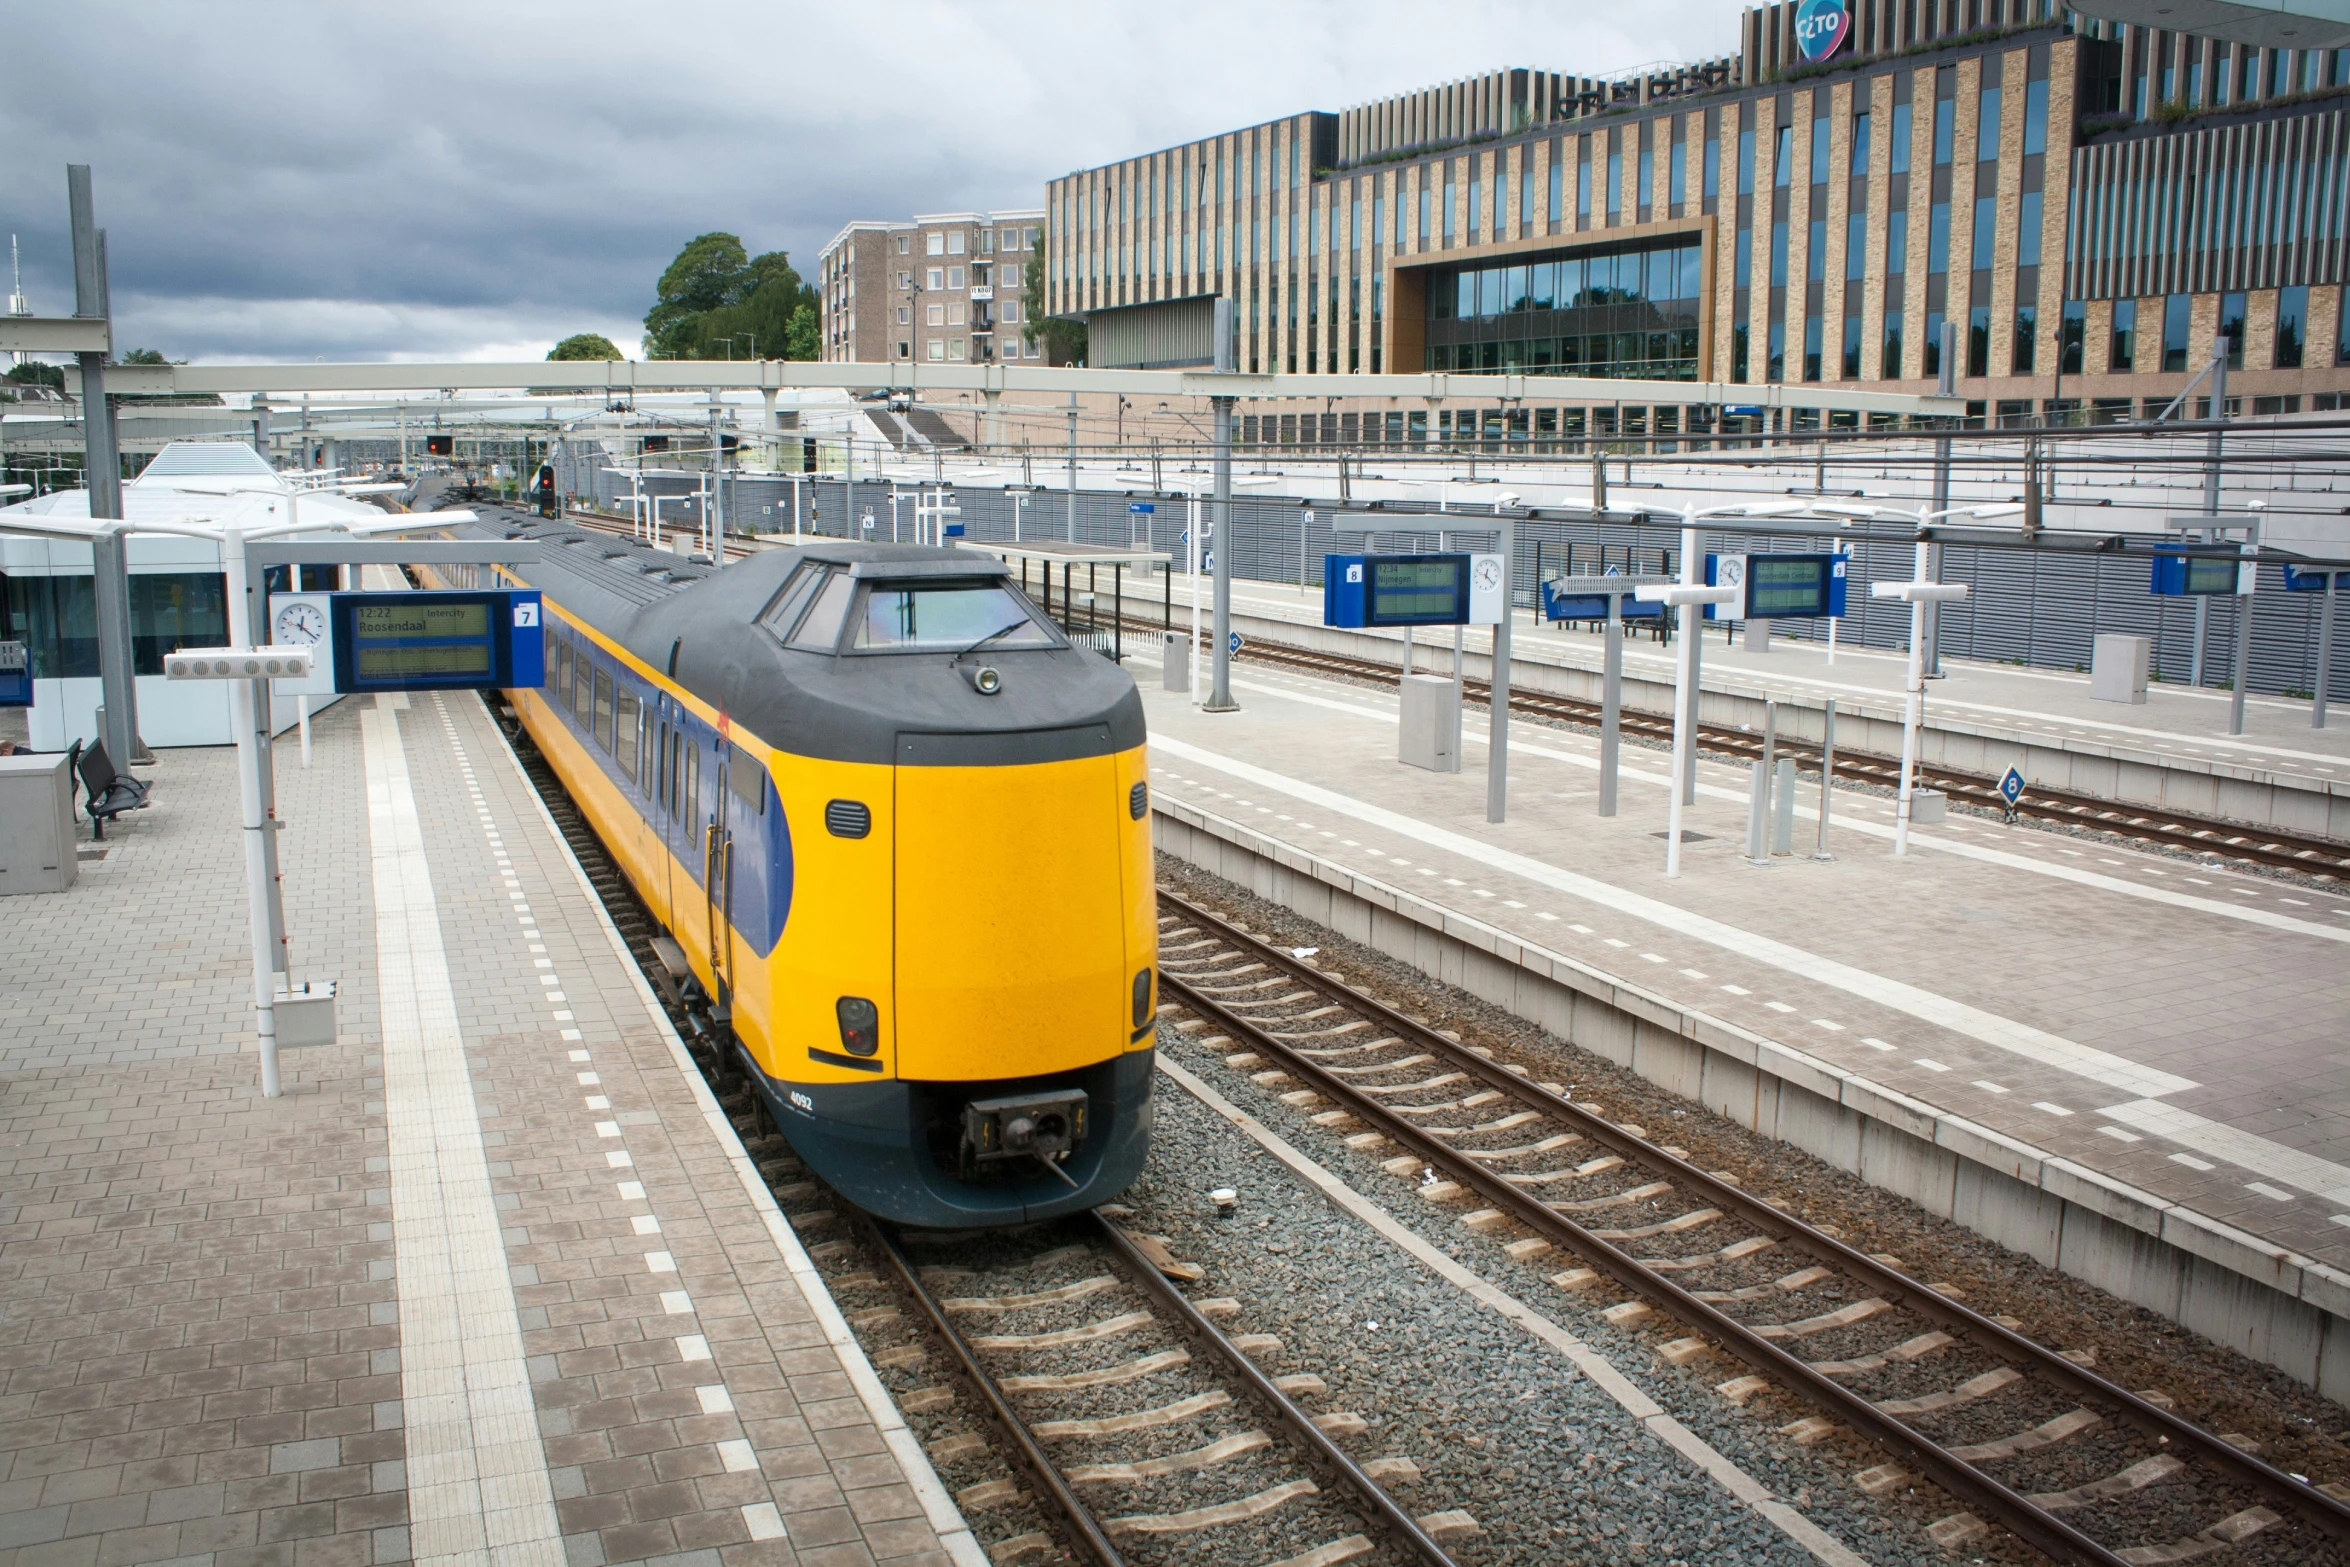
[803, 339]
[585, 345]
[716, 301]
[1064, 339]
[145, 356]
[703, 277]
[34, 373]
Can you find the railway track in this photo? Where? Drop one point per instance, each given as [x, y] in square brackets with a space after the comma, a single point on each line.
[2319, 858]
[2023, 1438]
[1143, 1450]
[1118, 1295]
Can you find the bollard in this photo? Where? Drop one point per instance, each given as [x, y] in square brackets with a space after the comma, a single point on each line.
[1758, 807]
[1783, 808]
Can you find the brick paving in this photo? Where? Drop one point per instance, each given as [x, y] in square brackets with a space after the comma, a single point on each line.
[200, 1320]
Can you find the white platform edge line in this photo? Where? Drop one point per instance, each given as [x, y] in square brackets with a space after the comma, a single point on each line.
[1928, 1006]
[938, 1505]
[1603, 1373]
[1963, 1131]
[1525, 738]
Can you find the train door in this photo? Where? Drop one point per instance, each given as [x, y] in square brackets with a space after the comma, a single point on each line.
[661, 740]
[718, 881]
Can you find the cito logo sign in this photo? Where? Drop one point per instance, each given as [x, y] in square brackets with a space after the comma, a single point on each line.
[1821, 27]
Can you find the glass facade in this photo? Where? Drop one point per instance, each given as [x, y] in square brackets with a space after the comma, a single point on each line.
[1627, 313]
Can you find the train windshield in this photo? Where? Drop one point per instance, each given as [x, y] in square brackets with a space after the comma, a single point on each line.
[946, 616]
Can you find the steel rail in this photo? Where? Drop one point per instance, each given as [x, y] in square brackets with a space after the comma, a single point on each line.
[1324, 1452]
[2041, 1529]
[1082, 1524]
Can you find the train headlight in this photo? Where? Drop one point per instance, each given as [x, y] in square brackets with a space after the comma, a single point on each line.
[987, 680]
[1042, 1126]
[1142, 999]
[860, 1025]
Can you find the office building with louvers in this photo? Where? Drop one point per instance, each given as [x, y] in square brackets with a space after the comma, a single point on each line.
[2090, 200]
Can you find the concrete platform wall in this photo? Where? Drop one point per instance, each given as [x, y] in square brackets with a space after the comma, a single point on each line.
[2288, 1311]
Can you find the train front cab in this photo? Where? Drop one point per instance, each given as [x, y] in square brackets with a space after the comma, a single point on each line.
[990, 898]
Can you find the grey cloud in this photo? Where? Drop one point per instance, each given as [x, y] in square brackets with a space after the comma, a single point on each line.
[434, 180]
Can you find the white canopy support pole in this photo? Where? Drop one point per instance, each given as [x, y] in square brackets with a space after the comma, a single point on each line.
[241, 723]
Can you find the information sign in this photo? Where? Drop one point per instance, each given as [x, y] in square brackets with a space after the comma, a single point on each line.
[2308, 579]
[2011, 788]
[2200, 576]
[1396, 590]
[1237, 642]
[1145, 507]
[452, 641]
[1560, 601]
[1779, 587]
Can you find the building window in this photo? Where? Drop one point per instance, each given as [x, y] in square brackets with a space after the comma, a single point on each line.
[2024, 352]
[905, 243]
[1746, 163]
[1891, 362]
[2073, 332]
[1644, 193]
[2292, 326]
[2174, 332]
[1783, 164]
[934, 315]
[1987, 127]
[1583, 193]
[904, 315]
[1978, 340]
[1896, 243]
[1811, 348]
[1711, 181]
[1898, 154]
[1615, 184]
[1819, 141]
[937, 348]
[1449, 183]
[1815, 261]
[934, 244]
[1944, 109]
[955, 349]
[1851, 354]
[1938, 237]
[1856, 245]
[2123, 353]
[2027, 229]
[1779, 254]
[2342, 326]
[937, 279]
[2231, 326]
[958, 313]
[1860, 146]
[1677, 174]
[1933, 364]
[1986, 215]
[954, 277]
[1775, 365]
[1631, 314]
[2035, 118]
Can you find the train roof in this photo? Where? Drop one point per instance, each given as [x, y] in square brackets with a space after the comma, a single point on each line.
[698, 623]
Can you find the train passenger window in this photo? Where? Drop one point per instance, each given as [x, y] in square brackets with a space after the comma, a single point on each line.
[946, 616]
[821, 629]
[794, 597]
[563, 671]
[583, 690]
[690, 802]
[665, 788]
[624, 748]
[746, 775]
[604, 708]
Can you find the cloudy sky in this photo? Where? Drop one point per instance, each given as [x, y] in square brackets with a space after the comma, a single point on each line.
[425, 181]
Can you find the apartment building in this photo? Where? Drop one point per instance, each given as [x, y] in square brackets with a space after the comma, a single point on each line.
[2090, 201]
[943, 288]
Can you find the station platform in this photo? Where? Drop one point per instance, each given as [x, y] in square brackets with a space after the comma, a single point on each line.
[2173, 751]
[491, 1282]
[2123, 1063]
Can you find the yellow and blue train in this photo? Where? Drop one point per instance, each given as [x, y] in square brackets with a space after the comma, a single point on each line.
[900, 828]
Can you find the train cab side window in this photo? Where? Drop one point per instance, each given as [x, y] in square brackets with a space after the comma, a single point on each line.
[746, 776]
[604, 709]
[793, 598]
[820, 631]
[624, 749]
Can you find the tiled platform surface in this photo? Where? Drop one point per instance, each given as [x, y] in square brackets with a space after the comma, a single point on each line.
[2175, 1035]
[2174, 749]
[237, 1330]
